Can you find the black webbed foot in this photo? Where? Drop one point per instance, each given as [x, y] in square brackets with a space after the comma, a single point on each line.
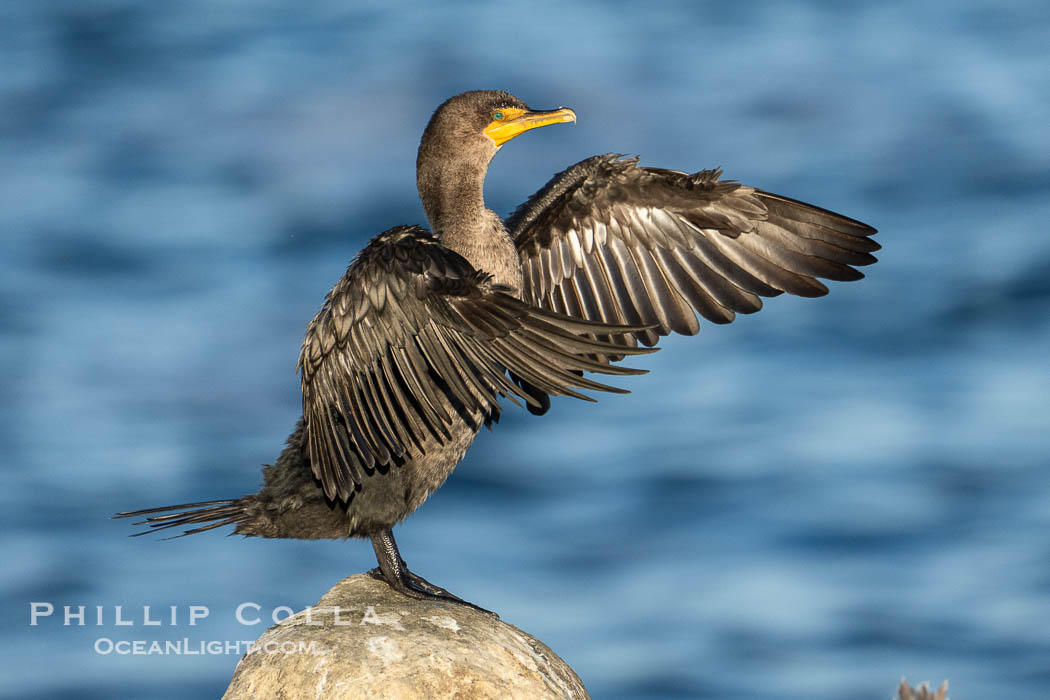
[394, 571]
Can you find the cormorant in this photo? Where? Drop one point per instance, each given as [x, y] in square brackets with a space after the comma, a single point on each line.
[413, 346]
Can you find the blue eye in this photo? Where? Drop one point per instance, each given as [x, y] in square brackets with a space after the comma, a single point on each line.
[497, 115]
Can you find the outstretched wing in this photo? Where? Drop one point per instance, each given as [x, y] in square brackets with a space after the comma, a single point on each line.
[609, 241]
[413, 341]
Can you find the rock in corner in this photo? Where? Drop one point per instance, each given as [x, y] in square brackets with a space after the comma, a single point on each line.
[363, 640]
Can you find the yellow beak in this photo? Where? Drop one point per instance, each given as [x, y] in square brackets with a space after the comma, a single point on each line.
[518, 121]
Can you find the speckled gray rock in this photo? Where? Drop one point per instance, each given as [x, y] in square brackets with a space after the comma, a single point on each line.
[362, 640]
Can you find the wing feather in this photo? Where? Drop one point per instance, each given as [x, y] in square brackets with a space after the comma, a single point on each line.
[609, 241]
[413, 341]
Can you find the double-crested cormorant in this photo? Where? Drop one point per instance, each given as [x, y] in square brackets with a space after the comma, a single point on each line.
[413, 346]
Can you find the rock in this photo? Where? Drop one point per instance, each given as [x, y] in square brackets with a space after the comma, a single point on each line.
[363, 640]
[921, 692]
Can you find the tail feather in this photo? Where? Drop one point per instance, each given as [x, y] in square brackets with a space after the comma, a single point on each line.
[216, 513]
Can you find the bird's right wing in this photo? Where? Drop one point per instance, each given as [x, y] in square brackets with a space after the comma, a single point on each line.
[412, 341]
[607, 240]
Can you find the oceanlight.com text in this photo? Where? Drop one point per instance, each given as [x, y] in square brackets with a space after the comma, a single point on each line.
[212, 647]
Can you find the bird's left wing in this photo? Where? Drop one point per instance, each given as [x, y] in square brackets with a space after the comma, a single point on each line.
[412, 341]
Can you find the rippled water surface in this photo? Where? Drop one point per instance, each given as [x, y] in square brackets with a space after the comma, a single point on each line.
[811, 502]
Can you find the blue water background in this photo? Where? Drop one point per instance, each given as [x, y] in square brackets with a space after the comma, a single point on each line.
[809, 503]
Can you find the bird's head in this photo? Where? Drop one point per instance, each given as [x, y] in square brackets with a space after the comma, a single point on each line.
[481, 121]
[464, 134]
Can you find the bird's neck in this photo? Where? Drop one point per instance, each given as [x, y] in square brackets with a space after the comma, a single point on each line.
[453, 200]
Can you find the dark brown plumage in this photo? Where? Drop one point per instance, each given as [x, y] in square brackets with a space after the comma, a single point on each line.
[416, 343]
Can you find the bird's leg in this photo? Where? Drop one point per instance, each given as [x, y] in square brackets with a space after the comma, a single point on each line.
[393, 569]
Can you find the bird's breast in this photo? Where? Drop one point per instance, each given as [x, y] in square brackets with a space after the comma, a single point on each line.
[488, 247]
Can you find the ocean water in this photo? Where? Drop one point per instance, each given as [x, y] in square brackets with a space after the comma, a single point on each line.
[810, 502]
